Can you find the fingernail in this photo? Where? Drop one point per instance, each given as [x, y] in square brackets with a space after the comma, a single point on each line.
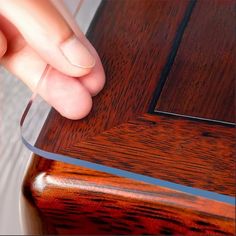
[76, 53]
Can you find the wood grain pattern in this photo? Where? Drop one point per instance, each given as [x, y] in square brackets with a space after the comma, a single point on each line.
[202, 80]
[173, 149]
[125, 47]
[119, 133]
[181, 152]
[73, 200]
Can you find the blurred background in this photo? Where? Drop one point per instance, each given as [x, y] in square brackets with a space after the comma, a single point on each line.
[14, 156]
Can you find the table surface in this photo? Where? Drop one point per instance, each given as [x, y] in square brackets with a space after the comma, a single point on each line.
[14, 156]
[166, 115]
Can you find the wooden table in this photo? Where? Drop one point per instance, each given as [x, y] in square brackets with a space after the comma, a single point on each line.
[167, 113]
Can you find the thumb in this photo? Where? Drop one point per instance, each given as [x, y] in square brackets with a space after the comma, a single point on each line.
[47, 32]
[3, 44]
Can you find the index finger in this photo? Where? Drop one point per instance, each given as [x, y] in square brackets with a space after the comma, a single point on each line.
[47, 32]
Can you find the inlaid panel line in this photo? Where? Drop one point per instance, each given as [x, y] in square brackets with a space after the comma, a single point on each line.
[194, 118]
[200, 81]
[170, 60]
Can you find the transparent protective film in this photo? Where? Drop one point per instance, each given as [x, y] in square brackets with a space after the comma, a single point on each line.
[38, 110]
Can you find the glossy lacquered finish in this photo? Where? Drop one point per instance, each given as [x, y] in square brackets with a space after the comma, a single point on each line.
[133, 53]
[182, 151]
[140, 43]
[72, 200]
[202, 80]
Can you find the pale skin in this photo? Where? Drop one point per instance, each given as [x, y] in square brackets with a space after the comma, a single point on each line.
[33, 33]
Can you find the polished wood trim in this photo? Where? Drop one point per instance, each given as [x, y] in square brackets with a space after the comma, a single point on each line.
[134, 39]
[75, 200]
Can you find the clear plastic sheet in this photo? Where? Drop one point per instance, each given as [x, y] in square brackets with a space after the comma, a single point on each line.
[39, 109]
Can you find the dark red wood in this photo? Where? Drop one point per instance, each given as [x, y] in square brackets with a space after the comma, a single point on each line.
[202, 80]
[173, 149]
[72, 200]
[133, 53]
[134, 39]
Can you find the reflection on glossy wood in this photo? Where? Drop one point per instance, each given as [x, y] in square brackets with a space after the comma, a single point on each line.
[73, 200]
[173, 149]
[134, 39]
[202, 80]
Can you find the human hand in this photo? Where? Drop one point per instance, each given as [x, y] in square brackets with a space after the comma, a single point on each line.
[34, 34]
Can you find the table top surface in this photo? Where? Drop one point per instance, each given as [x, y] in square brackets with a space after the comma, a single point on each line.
[166, 114]
[183, 68]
